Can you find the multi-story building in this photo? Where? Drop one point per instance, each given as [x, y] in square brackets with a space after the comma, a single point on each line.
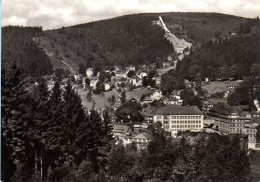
[251, 130]
[234, 122]
[179, 118]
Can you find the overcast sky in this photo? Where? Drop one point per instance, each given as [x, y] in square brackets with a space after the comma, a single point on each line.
[57, 13]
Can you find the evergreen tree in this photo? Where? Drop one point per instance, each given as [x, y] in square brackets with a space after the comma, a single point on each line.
[74, 113]
[42, 117]
[123, 97]
[54, 135]
[96, 137]
[18, 123]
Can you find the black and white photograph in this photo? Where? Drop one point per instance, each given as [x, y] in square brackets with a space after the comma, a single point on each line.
[130, 91]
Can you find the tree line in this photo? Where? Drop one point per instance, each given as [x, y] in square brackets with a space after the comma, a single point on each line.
[18, 46]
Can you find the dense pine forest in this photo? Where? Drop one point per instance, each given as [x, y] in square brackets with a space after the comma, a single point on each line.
[201, 27]
[18, 46]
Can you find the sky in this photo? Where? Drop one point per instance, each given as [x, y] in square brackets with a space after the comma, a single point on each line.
[52, 14]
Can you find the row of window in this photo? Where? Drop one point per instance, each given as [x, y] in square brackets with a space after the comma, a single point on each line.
[184, 122]
[186, 126]
[251, 130]
[136, 140]
[237, 125]
[179, 117]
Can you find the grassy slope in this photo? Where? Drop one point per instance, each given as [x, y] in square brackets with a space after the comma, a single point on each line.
[101, 100]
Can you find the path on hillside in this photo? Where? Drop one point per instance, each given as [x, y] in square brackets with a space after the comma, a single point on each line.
[178, 44]
[57, 59]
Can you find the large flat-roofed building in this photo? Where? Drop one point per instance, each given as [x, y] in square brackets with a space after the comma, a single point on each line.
[234, 122]
[179, 118]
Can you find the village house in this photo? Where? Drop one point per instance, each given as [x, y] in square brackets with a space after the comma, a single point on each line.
[121, 130]
[107, 86]
[140, 139]
[172, 100]
[133, 80]
[138, 135]
[142, 74]
[144, 127]
[93, 83]
[89, 72]
[130, 68]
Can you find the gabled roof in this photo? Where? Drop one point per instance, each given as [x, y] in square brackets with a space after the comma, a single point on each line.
[144, 135]
[121, 128]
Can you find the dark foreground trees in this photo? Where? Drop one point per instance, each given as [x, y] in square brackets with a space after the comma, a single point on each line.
[45, 134]
[204, 157]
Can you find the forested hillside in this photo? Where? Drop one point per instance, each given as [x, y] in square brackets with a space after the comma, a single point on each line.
[201, 27]
[131, 39]
[232, 57]
[18, 46]
[121, 41]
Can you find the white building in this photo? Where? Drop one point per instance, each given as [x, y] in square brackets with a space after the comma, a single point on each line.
[89, 72]
[157, 95]
[142, 74]
[140, 139]
[179, 118]
[107, 86]
[250, 129]
[93, 83]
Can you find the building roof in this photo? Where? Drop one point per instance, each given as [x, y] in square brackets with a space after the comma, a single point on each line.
[178, 110]
[144, 135]
[120, 128]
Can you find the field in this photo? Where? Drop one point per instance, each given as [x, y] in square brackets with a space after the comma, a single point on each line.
[218, 86]
[137, 93]
[101, 100]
